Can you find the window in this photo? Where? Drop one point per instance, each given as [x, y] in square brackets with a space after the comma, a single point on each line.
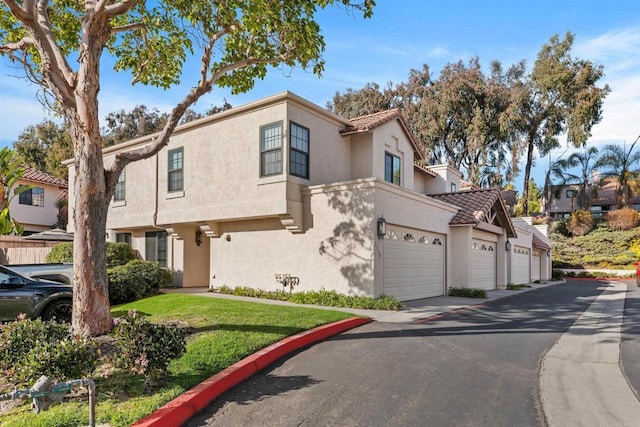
[392, 168]
[176, 173]
[454, 187]
[119, 193]
[33, 197]
[156, 247]
[271, 149]
[571, 193]
[299, 151]
[123, 238]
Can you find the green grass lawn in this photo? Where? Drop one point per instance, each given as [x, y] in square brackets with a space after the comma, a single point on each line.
[222, 333]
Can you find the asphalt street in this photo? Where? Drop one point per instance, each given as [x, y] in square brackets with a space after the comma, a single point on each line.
[477, 367]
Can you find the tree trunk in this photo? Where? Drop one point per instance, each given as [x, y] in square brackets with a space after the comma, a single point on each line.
[91, 315]
[527, 175]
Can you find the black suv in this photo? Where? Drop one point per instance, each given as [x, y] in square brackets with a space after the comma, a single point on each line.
[33, 297]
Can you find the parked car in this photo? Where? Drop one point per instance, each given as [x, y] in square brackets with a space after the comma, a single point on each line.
[57, 272]
[46, 299]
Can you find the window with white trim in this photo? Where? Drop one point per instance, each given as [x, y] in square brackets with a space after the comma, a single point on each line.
[175, 176]
[119, 192]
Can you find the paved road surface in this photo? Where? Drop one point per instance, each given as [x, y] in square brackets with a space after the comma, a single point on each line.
[478, 367]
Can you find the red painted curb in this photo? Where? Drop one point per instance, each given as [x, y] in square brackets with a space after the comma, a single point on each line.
[189, 403]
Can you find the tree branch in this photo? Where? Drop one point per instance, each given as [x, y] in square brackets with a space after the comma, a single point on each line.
[23, 15]
[117, 8]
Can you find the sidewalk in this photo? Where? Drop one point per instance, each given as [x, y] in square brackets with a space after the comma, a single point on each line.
[414, 311]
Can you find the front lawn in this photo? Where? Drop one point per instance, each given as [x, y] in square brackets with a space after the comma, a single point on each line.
[222, 332]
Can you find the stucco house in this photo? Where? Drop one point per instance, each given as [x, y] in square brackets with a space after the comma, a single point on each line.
[283, 186]
[36, 209]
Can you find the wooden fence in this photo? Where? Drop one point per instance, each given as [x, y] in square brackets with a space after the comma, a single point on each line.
[32, 255]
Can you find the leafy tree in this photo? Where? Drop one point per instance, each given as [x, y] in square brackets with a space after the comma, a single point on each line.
[622, 165]
[457, 117]
[11, 171]
[44, 146]
[534, 194]
[125, 125]
[60, 45]
[559, 96]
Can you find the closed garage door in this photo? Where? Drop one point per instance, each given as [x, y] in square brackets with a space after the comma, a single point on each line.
[483, 264]
[413, 264]
[535, 265]
[520, 264]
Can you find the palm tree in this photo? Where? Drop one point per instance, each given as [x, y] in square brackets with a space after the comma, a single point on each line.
[622, 164]
[586, 161]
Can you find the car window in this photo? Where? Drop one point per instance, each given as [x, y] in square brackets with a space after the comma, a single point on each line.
[8, 278]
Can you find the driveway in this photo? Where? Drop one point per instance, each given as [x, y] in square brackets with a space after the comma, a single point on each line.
[476, 367]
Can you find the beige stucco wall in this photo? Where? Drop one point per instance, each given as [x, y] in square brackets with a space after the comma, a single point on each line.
[392, 138]
[524, 239]
[447, 175]
[36, 218]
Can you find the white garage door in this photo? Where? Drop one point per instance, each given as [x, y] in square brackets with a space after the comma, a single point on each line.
[520, 263]
[535, 265]
[483, 264]
[413, 265]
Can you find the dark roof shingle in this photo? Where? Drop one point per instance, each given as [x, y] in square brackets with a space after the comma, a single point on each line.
[34, 175]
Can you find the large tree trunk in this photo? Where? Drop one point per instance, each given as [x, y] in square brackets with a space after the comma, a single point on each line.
[91, 315]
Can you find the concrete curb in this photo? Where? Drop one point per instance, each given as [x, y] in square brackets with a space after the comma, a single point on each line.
[192, 401]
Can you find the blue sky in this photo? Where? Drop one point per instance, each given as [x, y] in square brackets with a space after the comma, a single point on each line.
[403, 35]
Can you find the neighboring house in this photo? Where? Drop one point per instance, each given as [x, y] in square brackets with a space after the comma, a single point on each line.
[35, 209]
[283, 186]
[564, 199]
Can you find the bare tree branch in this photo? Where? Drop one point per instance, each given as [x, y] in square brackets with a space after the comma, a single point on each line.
[23, 44]
[24, 15]
[117, 8]
[131, 27]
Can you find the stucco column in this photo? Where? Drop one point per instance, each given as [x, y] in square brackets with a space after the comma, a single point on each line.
[502, 261]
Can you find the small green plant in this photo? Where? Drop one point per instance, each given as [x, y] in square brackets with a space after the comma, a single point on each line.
[467, 292]
[557, 274]
[518, 287]
[146, 348]
[322, 297]
[31, 348]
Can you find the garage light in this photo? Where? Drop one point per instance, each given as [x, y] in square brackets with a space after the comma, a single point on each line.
[507, 246]
[382, 227]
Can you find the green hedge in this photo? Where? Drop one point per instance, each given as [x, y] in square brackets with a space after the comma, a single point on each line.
[117, 253]
[135, 280]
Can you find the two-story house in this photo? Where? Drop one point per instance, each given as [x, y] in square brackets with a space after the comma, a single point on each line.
[602, 199]
[283, 186]
[36, 209]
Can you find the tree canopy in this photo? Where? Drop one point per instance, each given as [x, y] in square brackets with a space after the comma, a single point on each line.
[60, 46]
[44, 146]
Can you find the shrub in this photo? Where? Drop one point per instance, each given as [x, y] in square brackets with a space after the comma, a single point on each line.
[146, 348]
[557, 274]
[62, 252]
[580, 223]
[467, 292]
[135, 280]
[32, 348]
[117, 253]
[559, 226]
[622, 219]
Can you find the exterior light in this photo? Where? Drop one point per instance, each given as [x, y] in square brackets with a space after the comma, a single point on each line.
[198, 237]
[548, 252]
[507, 245]
[382, 227]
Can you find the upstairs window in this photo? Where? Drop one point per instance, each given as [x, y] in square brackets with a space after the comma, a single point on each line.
[571, 193]
[176, 173]
[119, 193]
[454, 187]
[299, 153]
[271, 149]
[32, 197]
[392, 168]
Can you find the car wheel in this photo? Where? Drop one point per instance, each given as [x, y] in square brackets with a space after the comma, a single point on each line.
[60, 311]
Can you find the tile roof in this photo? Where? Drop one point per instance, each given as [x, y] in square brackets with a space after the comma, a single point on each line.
[424, 169]
[538, 243]
[467, 185]
[606, 194]
[475, 205]
[371, 121]
[34, 175]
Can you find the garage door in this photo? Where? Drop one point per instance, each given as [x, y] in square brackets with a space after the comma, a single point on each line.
[414, 264]
[483, 264]
[535, 265]
[520, 264]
